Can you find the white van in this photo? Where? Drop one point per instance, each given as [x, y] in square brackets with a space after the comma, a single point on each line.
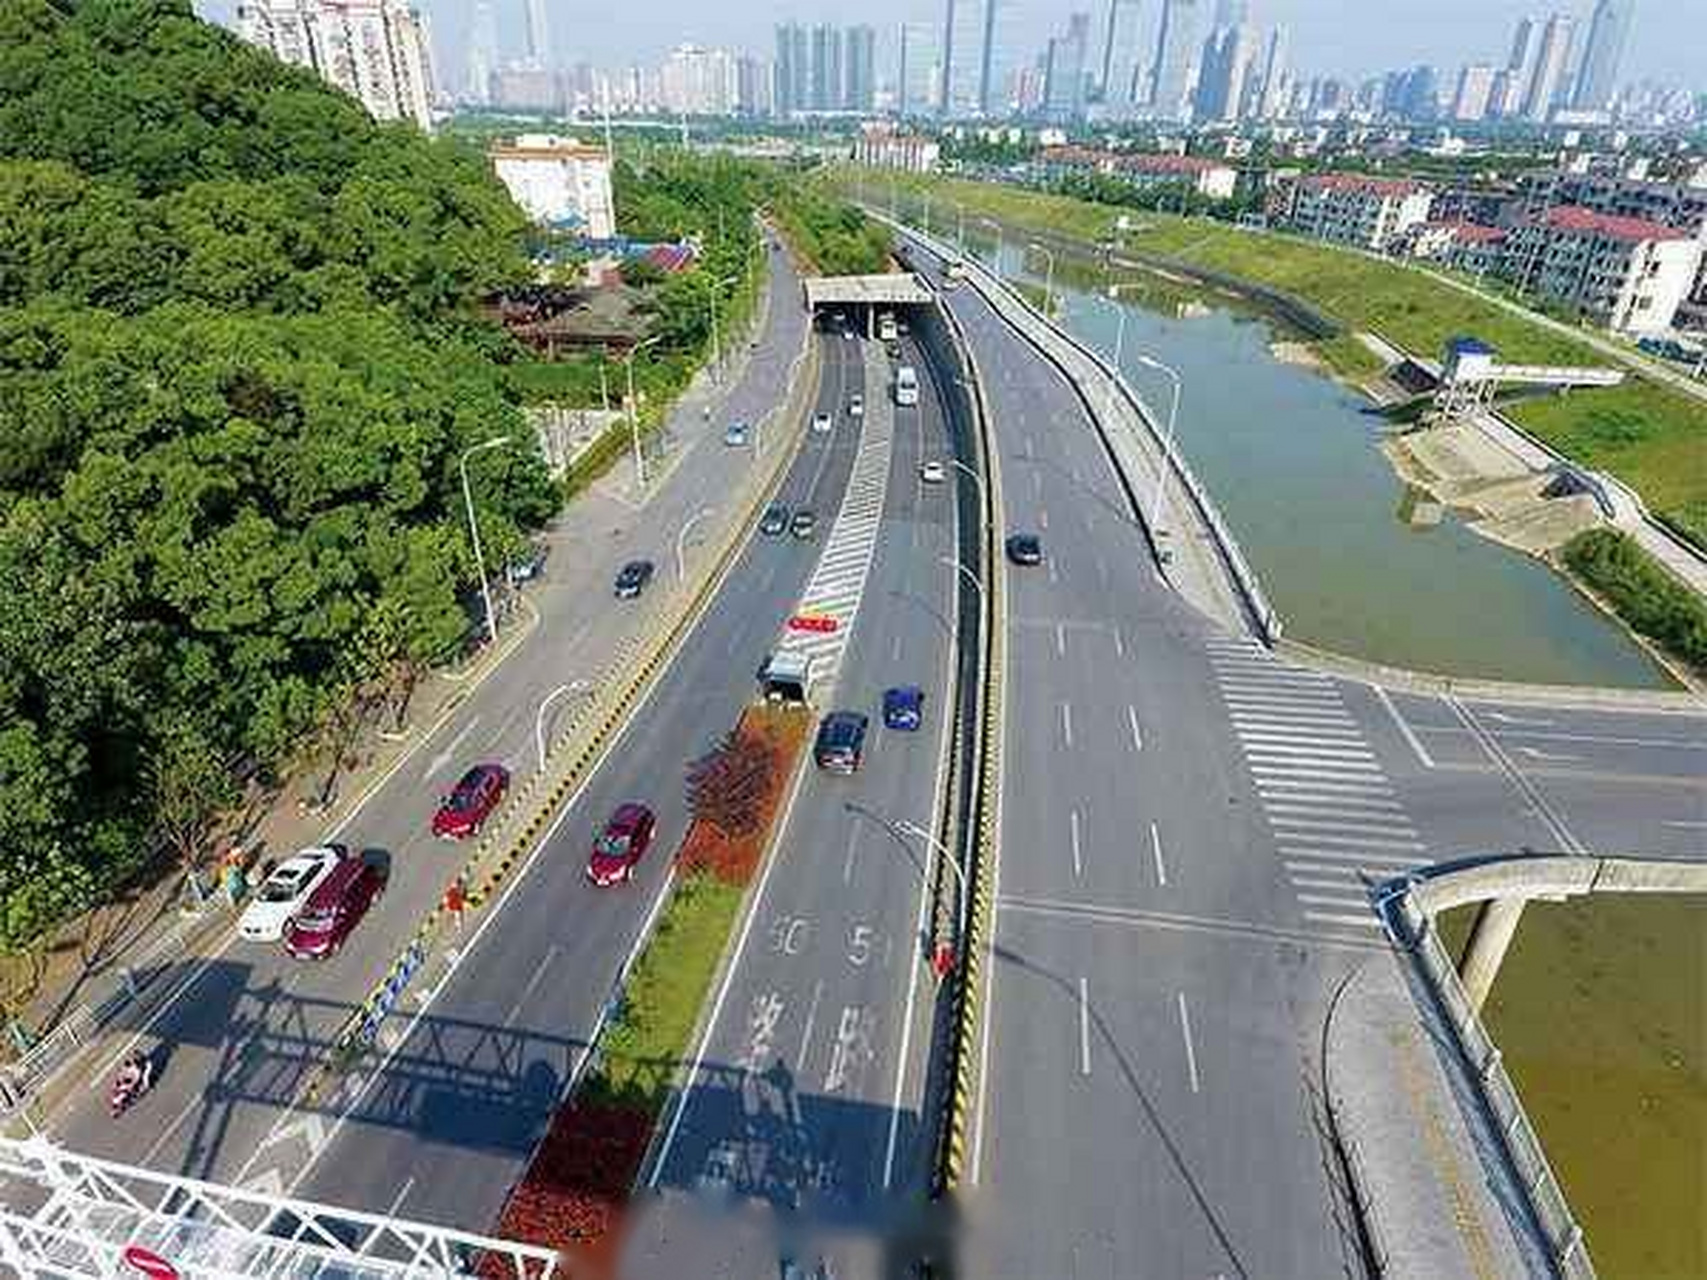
[906, 386]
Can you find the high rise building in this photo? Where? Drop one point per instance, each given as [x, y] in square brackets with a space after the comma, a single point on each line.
[1176, 49]
[539, 34]
[1271, 101]
[987, 61]
[1065, 70]
[792, 70]
[752, 86]
[1597, 81]
[374, 50]
[915, 78]
[696, 81]
[482, 53]
[1519, 68]
[1230, 13]
[1550, 61]
[1225, 68]
[860, 80]
[1475, 93]
[1117, 81]
[826, 91]
[961, 60]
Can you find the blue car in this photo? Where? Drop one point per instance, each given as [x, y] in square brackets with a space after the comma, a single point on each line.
[904, 707]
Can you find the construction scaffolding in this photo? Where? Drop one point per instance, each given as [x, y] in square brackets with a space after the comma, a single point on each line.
[65, 1216]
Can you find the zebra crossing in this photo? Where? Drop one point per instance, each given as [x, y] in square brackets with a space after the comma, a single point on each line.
[838, 581]
[1336, 818]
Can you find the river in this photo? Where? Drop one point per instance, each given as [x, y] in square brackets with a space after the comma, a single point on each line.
[1293, 459]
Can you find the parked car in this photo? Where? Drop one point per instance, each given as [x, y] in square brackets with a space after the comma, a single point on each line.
[333, 910]
[856, 406]
[1025, 548]
[821, 423]
[804, 524]
[840, 747]
[932, 472]
[735, 435]
[904, 707]
[620, 845]
[893, 349]
[526, 567]
[632, 580]
[775, 520]
[286, 890]
[466, 807]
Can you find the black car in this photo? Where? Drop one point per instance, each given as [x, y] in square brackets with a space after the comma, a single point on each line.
[841, 742]
[804, 525]
[775, 520]
[1025, 548]
[633, 579]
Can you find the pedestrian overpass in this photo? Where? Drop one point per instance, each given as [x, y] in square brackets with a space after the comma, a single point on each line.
[1471, 373]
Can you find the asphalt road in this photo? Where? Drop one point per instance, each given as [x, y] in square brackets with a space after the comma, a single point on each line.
[232, 1045]
[806, 1092]
[1190, 830]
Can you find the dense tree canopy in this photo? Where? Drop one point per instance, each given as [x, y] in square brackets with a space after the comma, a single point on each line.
[238, 363]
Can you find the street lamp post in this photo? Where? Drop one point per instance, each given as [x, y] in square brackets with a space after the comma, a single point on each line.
[1119, 342]
[997, 228]
[983, 503]
[716, 343]
[971, 577]
[948, 859]
[633, 414]
[1049, 278]
[959, 227]
[1173, 416]
[682, 538]
[495, 442]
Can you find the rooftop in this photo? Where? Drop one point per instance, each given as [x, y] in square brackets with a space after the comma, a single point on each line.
[1575, 218]
[1361, 182]
[897, 288]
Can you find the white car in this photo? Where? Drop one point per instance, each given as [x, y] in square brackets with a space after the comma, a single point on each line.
[932, 472]
[821, 423]
[283, 893]
[856, 406]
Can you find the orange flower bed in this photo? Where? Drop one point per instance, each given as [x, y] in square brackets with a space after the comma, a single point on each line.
[737, 790]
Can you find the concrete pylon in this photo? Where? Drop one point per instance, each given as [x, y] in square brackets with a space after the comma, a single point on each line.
[1490, 938]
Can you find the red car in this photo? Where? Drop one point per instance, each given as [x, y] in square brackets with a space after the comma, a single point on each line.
[333, 909]
[464, 811]
[620, 845]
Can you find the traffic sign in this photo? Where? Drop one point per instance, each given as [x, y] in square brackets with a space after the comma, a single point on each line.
[148, 1263]
[821, 622]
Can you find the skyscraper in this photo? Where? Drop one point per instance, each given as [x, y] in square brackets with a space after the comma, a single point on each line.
[539, 34]
[987, 60]
[1065, 70]
[827, 92]
[1550, 63]
[482, 53]
[915, 77]
[1607, 32]
[1272, 99]
[374, 50]
[1226, 66]
[960, 58]
[789, 95]
[1230, 13]
[1519, 68]
[1176, 49]
[1117, 80]
[1475, 93]
[860, 84]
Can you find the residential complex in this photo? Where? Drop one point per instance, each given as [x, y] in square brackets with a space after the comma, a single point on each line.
[883, 148]
[1200, 175]
[374, 50]
[1371, 213]
[1624, 273]
[560, 182]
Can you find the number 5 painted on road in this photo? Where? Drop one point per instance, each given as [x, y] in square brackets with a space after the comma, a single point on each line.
[859, 945]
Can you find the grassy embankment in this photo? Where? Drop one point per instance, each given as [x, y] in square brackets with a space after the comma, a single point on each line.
[1651, 437]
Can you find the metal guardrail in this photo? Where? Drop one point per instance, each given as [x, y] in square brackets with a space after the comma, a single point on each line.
[1544, 1196]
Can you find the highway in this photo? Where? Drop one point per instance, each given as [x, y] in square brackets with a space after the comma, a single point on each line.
[806, 1092]
[233, 1044]
[1189, 831]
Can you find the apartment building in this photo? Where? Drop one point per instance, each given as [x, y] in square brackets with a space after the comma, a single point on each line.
[1371, 213]
[1628, 274]
[1206, 177]
[884, 148]
[560, 182]
[374, 50]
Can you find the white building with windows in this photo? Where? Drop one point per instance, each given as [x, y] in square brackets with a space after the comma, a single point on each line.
[560, 182]
[1350, 208]
[886, 149]
[1625, 273]
[374, 50]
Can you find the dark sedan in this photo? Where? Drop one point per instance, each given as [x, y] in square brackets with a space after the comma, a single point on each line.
[841, 742]
[633, 579]
[1025, 548]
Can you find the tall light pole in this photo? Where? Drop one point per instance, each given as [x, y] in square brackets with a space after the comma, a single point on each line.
[1119, 341]
[997, 228]
[949, 861]
[716, 343]
[971, 577]
[496, 442]
[633, 415]
[682, 538]
[983, 504]
[1048, 279]
[959, 227]
[1173, 416]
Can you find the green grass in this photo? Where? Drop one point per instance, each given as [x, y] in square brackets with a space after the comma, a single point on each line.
[649, 1035]
[1348, 357]
[1649, 436]
[1645, 595]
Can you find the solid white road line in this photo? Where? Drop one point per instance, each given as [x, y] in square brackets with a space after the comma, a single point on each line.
[806, 1031]
[1132, 723]
[1268, 744]
[154, 1147]
[1073, 827]
[1067, 724]
[1156, 853]
[1409, 735]
[1370, 921]
[1275, 787]
[402, 1195]
[1119, 644]
[1084, 1028]
[1190, 1052]
[1061, 639]
[1300, 856]
[1283, 823]
[848, 859]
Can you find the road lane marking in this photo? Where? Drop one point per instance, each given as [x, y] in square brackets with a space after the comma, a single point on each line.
[1061, 639]
[1250, 930]
[538, 973]
[1555, 757]
[848, 860]
[1132, 723]
[895, 647]
[1042, 519]
[1369, 921]
[1190, 1053]
[1351, 806]
[1504, 718]
[1156, 853]
[1288, 788]
[1119, 644]
[1270, 744]
[1084, 1028]
[1411, 739]
[1073, 825]
[1067, 724]
[444, 757]
[1053, 576]
[1290, 716]
[806, 1032]
[1350, 824]
[154, 1147]
[402, 1195]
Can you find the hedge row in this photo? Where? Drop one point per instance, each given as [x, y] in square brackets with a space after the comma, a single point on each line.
[1645, 595]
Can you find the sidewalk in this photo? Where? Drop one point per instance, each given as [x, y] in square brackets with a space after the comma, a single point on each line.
[1436, 1197]
[140, 936]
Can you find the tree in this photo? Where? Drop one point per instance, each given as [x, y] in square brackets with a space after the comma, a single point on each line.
[190, 781]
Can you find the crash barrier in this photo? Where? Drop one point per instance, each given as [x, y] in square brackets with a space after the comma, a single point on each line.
[636, 664]
[1058, 347]
[983, 823]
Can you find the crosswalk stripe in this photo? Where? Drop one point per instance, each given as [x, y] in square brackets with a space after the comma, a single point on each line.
[1278, 747]
[1323, 882]
[1300, 767]
[1287, 787]
[1370, 921]
[1310, 840]
[1290, 828]
[1290, 715]
[1325, 735]
[1335, 860]
[1333, 900]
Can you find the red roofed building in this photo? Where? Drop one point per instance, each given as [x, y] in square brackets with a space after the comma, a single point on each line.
[1353, 208]
[1626, 273]
[1211, 178]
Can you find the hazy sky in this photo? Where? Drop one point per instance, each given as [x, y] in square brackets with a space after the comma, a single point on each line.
[1668, 40]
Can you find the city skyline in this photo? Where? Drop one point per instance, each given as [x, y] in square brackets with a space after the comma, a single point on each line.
[1662, 43]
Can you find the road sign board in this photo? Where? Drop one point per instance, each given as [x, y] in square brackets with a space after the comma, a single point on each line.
[148, 1263]
[819, 622]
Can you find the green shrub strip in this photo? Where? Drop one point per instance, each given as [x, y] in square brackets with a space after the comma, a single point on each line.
[1654, 603]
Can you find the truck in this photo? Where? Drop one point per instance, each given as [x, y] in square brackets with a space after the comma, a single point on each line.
[786, 677]
[886, 326]
[906, 386]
